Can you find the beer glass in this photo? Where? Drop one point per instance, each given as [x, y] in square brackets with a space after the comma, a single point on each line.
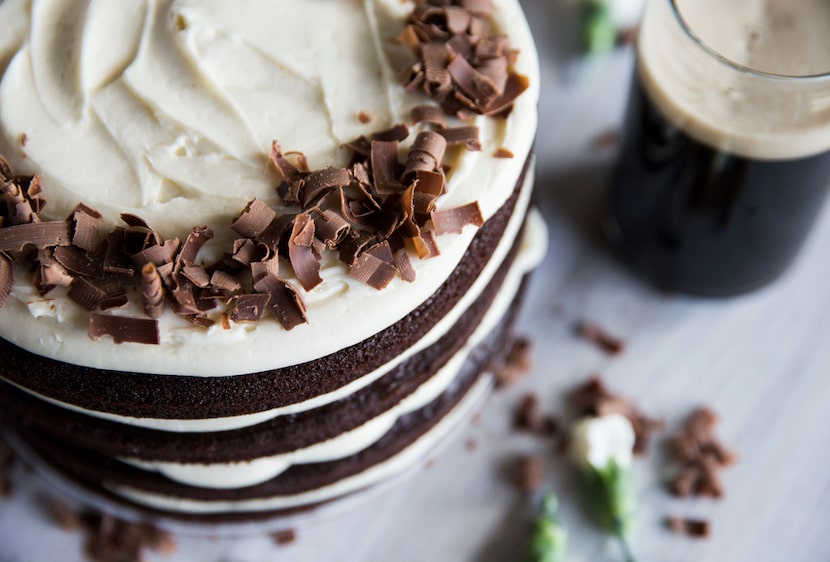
[725, 157]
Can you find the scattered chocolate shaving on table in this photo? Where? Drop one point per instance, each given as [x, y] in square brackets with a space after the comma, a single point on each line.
[502, 152]
[471, 445]
[515, 364]
[63, 515]
[285, 537]
[592, 398]
[528, 417]
[700, 457]
[530, 472]
[596, 335]
[695, 528]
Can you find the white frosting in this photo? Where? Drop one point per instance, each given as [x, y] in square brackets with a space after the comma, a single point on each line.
[168, 108]
[749, 113]
[249, 473]
[381, 471]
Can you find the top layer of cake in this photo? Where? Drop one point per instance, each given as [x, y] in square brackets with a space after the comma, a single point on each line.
[168, 110]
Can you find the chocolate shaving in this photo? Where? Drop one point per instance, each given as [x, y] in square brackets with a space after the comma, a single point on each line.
[514, 87]
[530, 472]
[397, 132]
[194, 242]
[593, 399]
[594, 334]
[695, 528]
[700, 456]
[197, 275]
[425, 245]
[254, 219]
[225, 283]
[384, 159]
[428, 114]
[6, 279]
[51, 273]
[87, 222]
[152, 291]
[115, 258]
[87, 292]
[330, 227]
[265, 268]
[19, 207]
[285, 304]
[317, 184]
[245, 251]
[404, 266]
[123, 328]
[454, 220]
[158, 255]
[77, 261]
[38, 235]
[426, 153]
[476, 86]
[248, 308]
[515, 364]
[116, 295]
[285, 537]
[502, 152]
[304, 259]
[364, 117]
[289, 171]
[468, 136]
[373, 271]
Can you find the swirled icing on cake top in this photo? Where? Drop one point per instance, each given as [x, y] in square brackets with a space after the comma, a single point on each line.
[168, 109]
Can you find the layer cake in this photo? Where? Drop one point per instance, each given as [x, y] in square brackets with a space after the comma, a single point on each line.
[361, 175]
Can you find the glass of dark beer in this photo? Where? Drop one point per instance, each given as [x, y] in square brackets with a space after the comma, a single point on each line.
[725, 158]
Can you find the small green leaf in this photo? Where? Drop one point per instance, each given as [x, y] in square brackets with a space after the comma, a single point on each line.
[599, 32]
[611, 492]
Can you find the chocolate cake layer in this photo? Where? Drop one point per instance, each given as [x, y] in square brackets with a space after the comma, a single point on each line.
[280, 435]
[93, 469]
[172, 397]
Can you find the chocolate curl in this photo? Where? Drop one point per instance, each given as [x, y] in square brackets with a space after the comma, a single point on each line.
[86, 222]
[426, 153]
[384, 159]
[331, 228]
[515, 86]
[454, 220]
[158, 254]
[51, 273]
[254, 219]
[428, 186]
[152, 291]
[373, 271]
[289, 171]
[397, 132]
[304, 260]
[20, 210]
[477, 87]
[6, 279]
[317, 184]
[286, 304]
[437, 77]
[428, 114]
[468, 136]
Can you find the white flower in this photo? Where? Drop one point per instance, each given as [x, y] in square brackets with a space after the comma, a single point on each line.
[596, 441]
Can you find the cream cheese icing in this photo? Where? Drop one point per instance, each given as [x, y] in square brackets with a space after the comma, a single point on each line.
[256, 471]
[174, 122]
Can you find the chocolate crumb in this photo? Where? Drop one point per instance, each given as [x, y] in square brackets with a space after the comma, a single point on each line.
[695, 528]
[502, 152]
[598, 336]
[530, 472]
[592, 398]
[515, 364]
[285, 537]
[471, 445]
[364, 117]
[63, 515]
[700, 457]
[24, 138]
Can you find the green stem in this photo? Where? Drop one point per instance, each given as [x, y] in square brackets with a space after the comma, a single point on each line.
[626, 548]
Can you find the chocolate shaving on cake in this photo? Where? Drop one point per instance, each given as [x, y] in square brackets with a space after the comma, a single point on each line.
[225, 283]
[152, 292]
[304, 259]
[286, 305]
[454, 220]
[289, 171]
[397, 132]
[330, 227]
[404, 266]
[88, 293]
[254, 219]
[318, 184]
[373, 271]
[384, 159]
[596, 335]
[467, 136]
[248, 308]
[593, 399]
[426, 153]
[6, 279]
[39, 235]
[428, 114]
[123, 328]
[700, 456]
[459, 64]
[78, 262]
[86, 224]
[158, 255]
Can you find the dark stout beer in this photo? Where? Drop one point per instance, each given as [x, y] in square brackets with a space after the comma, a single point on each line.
[712, 195]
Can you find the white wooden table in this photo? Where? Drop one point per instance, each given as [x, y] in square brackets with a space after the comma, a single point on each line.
[762, 361]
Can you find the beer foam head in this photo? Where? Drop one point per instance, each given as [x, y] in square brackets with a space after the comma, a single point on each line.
[743, 76]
